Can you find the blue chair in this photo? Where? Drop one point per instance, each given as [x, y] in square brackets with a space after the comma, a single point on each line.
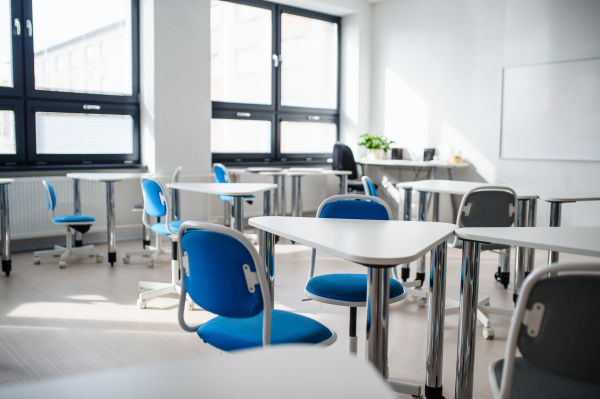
[369, 187]
[158, 250]
[80, 223]
[221, 271]
[349, 289]
[156, 204]
[222, 176]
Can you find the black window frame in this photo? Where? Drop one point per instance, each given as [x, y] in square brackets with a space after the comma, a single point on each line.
[27, 99]
[276, 111]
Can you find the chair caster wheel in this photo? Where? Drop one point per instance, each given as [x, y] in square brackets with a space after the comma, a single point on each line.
[99, 259]
[150, 263]
[488, 333]
[56, 256]
[422, 302]
[62, 264]
[141, 303]
[126, 259]
[36, 261]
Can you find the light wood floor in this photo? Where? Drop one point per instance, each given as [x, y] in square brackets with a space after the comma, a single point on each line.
[60, 322]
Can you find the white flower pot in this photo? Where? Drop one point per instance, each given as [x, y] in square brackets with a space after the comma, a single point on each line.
[376, 154]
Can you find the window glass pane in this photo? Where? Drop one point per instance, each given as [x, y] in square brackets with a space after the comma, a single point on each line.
[240, 136]
[6, 61]
[65, 133]
[8, 145]
[241, 50]
[83, 46]
[307, 137]
[309, 68]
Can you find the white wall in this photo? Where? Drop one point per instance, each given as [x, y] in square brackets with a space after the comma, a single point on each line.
[437, 76]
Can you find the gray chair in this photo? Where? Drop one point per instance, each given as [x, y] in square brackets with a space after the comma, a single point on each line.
[487, 206]
[554, 329]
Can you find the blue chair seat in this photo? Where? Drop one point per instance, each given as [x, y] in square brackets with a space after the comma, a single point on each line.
[161, 228]
[74, 219]
[230, 334]
[347, 287]
[229, 198]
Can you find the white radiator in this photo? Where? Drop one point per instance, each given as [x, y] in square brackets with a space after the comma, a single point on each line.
[29, 214]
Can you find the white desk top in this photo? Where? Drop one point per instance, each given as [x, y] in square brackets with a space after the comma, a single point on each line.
[255, 170]
[297, 372]
[367, 242]
[458, 187]
[106, 177]
[574, 240]
[567, 195]
[412, 164]
[314, 171]
[232, 189]
[7, 181]
[291, 171]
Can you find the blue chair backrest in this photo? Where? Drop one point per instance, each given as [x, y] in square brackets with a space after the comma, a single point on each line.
[50, 196]
[221, 175]
[371, 190]
[155, 200]
[354, 209]
[216, 282]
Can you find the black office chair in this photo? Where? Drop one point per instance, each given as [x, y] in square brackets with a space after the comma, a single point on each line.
[343, 159]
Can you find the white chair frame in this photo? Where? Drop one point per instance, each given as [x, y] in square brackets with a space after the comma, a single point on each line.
[260, 272]
[503, 391]
[69, 249]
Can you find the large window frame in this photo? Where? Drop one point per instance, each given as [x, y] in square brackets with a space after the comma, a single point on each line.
[275, 112]
[25, 100]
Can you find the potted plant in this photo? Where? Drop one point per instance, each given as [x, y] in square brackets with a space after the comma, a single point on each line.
[377, 144]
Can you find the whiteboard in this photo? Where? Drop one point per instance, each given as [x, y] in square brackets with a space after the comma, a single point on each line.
[551, 111]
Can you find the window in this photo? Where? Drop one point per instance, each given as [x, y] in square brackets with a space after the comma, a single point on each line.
[67, 94]
[274, 83]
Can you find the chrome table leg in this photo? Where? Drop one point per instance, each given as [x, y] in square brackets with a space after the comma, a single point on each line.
[110, 222]
[555, 211]
[407, 216]
[435, 328]
[344, 184]
[238, 211]
[522, 208]
[422, 217]
[5, 229]
[77, 209]
[531, 222]
[378, 296]
[467, 322]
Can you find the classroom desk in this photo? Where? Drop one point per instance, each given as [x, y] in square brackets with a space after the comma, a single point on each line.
[556, 197]
[5, 228]
[278, 175]
[236, 190]
[297, 372]
[432, 166]
[526, 197]
[109, 179]
[379, 246]
[298, 173]
[575, 240]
